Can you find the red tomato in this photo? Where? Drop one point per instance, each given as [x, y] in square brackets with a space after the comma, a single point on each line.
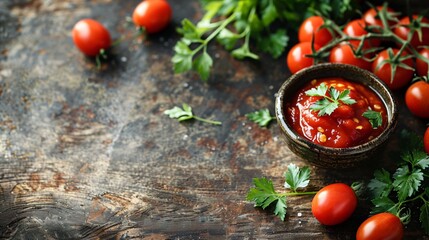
[356, 28]
[152, 15]
[311, 27]
[334, 204]
[296, 58]
[383, 70]
[344, 54]
[417, 99]
[403, 31]
[383, 226]
[371, 16]
[90, 37]
[426, 140]
[422, 66]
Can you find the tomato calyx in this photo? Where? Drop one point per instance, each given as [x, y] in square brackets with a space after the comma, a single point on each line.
[395, 61]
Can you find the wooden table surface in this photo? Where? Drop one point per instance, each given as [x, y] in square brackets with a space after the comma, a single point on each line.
[88, 154]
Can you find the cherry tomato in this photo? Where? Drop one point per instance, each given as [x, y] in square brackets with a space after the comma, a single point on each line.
[334, 204]
[344, 54]
[356, 28]
[296, 58]
[90, 37]
[422, 66]
[417, 99]
[426, 140]
[402, 30]
[383, 226]
[312, 27]
[152, 15]
[383, 70]
[371, 16]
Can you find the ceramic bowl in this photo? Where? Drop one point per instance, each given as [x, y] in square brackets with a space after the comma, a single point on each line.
[327, 156]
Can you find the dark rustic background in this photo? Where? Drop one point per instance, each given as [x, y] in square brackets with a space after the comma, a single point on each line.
[88, 154]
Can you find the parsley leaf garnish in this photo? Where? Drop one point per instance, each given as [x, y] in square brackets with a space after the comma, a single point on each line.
[261, 117]
[264, 194]
[185, 113]
[374, 118]
[398, 193]
[331, 99]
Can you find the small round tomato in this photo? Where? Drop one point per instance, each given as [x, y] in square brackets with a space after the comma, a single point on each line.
[152, 15]
[90, 37]
[426, 140]
[297, 59]
[403, 30]
[371, 16]
[312, 27]
[334, 204]
[356, 28]
[344, 54]
[422, 66]
[382, 69]
[417, 99]
[381, 226]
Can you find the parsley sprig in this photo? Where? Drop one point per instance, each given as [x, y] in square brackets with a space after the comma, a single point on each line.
[264, 193]
[185, 113]
[407, 187]
[331, 99]
[234, 24]
[261, 117]
[374, 117]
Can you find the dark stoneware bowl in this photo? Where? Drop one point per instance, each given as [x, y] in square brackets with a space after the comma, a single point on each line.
[334, 157]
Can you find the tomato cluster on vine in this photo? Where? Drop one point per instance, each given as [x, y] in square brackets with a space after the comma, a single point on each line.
[393, 46]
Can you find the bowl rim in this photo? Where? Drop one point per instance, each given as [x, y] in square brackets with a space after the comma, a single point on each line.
[392, 113]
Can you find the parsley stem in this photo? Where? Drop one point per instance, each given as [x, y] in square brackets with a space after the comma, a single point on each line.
[207, 120]
[289, 194]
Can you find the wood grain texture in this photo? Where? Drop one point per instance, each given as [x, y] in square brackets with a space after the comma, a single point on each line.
[88, 154]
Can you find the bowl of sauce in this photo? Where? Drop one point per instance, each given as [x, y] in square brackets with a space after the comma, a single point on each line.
[335, 115]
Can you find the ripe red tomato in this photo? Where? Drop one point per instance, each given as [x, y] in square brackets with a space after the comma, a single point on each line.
[152, 15]
[311, 27]
[334, 204]
[422, 66]
[417, 99]
[90, 37]
[381, 226]
[296, 58]
[426, 140]
[371, 18]
[356, 28]
[344, 54]
[383, 70]
[403, 31]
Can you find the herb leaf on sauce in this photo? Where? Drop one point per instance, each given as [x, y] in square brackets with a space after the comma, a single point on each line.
[374, 118]
[330, 101]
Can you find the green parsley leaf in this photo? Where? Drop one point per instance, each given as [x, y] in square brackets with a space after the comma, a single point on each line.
[407, 182]
[203, 64]
[273, 43]
[424, 216]
[381, 184]
[374, 118]
[296, 177]
[384, 204]
[261, 117]
[416, 158]
[328, 103]
[185, 113]
[263, 194]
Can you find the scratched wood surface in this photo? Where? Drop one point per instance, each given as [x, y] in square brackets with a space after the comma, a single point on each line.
[87, 154]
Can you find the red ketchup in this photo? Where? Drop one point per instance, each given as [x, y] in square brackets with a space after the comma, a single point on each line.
[345, 126]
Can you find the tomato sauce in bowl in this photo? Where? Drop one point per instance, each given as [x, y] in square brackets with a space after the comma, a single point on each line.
[347, 125]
